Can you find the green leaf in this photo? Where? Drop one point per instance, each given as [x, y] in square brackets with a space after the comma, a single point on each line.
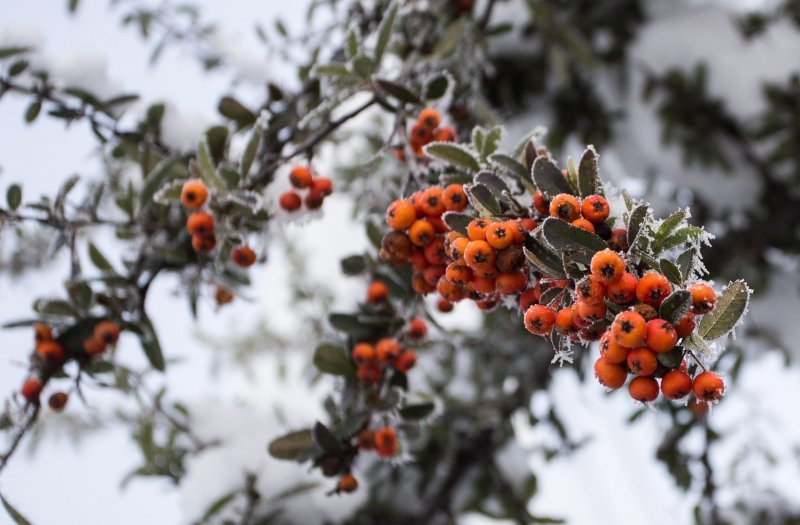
[150, 344]
[450, 38]
[250, 151]
[385, 33]
[17, 67]
[635, 222]
[33, 111]
[217, 506]
[681, 236]
[695, 342]
[6, 52]
[436, 88]
[292, 446]
[587, 172]
[119, 100]
[497, 185]
[352, 44]
[563, 236]
[685, 261]
[325, 439]
[99, 260]
[15, 515]
[670, 223]
[234, 110]
[374, 234]
[454, 154]
[671, 271]
[543, 258]
[56, 307]
[353, 265]
[169, 193]
[217, 138]
[675, 306]
[398, 91]
[548, 178]
[363, 66]
[333, 70]
[478, 134]
[726, 313]
[417, 411]
[491, 142]
[209, 173]
[457, 222]
[671, 359]
[333, 360]
[158, 176]
[73, 6]
[14, 196]
[482, 199]
[515, 169]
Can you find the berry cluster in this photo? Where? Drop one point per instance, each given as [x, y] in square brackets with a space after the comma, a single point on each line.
[302, 178]
[51, 354]
[428, 129]
[201, 225]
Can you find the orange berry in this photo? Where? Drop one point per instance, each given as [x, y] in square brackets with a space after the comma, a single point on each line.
[539, 319]
[595, 209]
[42, 332]
[528, 224]
[661, 335]
[444, 306]
[518, 231]
[431, 201]
[458, 247]
[624, 290]
[476, 229]
[541, 203]
[590, 290]
[450, 291]
[647, 312]
[243, 256]
[400, 215]
[445, 134]
[643, 389]
[619, 240]
[369, 373]
[421, 232]
[347, 483]
[314, 199]
[322, 185]
[590, 312]
[363, 353]
[583, 224]
[387, 350]
[31, 389]
[377, 292]
[300, 177]
[194, 194]
[223, 296]
[499, 235]
[703, 298]
[676, 384]
[385, 442]
[93, 346]
[51, 351]
[652, 289]
[366, 439]
[611, 350]
[107, 332]
[629, 329]
[686, 325]
[479, 255]
[708, 387]
[564, 323]
[565, 207]
[417, 328]
[610, 375]
[642, 361]
[458, 273]
[511, 283]
[200, 223]
[405, 361]
[591, 334]
[529, 297]
[433, 273]
[454, 197]
[430, 118]
[511, 259]
[204, 243]
[483, 285]
[420, 134]
[607, 266]
[290, 201]
[397, 244]
[58, 401]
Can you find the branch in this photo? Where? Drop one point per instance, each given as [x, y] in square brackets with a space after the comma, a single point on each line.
[4, 458]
